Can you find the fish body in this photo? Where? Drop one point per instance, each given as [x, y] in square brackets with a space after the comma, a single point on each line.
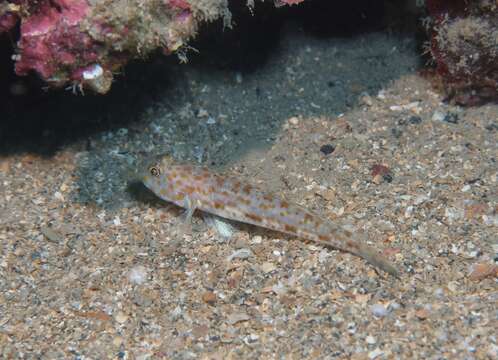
[195, 187]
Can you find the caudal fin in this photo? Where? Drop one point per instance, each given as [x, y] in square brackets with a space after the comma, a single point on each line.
[377, 260]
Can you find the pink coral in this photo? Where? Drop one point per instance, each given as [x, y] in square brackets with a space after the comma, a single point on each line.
[51, 38]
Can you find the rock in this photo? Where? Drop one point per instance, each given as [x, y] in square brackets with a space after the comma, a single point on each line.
[370, 340]
[240, 254]
[209, 298]
[121, 317]
[482, 271]
[237, 317]
[268, 267]
[294, 121]
[414, 120]
[379, 310]
[375, 353]
[137, 275]
[327, 149]
[422, 314]
[438, 115]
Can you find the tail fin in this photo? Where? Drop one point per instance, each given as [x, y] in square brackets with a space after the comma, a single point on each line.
[377, 260]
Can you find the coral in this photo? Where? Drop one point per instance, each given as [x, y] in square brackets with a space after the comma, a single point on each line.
[464, 45]
[81, 43]
[8, 15]
[52, 43]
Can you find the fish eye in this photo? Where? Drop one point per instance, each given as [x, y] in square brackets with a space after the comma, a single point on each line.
[154, 171]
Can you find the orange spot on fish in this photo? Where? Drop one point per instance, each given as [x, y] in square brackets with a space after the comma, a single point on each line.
[323, 238]
[284, 204]
[268, 197]
[243, 200]
[348, 233]
[253, 217]
[265, 206]
[247, 189]
[290, 228]
[189, 189]
[218, 205]
[351, 244]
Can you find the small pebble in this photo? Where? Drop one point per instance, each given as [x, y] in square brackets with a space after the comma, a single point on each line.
[438, 115]
[396, 132]
[375, 353]
[422, 314]
[492, 127]
[379, 169]
[327, 149]
[482, 271]
[137, 275]
[451, 118]
[251, 339]
[238, 77]
[370, 340]
[453, 286]
[268, 267]
[51, 234]
[388, 178]
[209, 298]
[439, 293]
[367, 100]
[378, 310]
[237, 317]
[465, 188]
[58, 196]
[414, 120]
[122, 132]
[121, 317]
[294, 121]
[202, 113]
[257, 239]
[240, 254]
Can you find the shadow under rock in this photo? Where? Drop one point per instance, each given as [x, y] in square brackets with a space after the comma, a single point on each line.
[42, 121]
